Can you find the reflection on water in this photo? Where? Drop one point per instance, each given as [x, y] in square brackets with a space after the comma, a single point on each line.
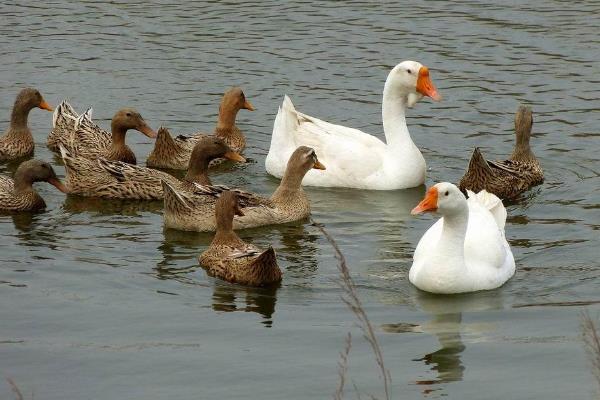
[230, 297]
[79, 204]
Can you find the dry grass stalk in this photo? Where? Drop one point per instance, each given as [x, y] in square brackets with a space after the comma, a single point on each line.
[15, 389]
[353, 302]
[343, 368]
[591, 340]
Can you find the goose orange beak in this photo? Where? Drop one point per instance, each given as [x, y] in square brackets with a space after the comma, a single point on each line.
[425, 86]
[233, 156]
[45, 106]
[248, 106]
[146, 130]
[429, 203]
[58, 184]
[318, 165]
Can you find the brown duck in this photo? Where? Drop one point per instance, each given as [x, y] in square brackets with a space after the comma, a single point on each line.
[17, 141]
[509, 178]
[228, 257]
[194, 210]
[119, 180]
[174, 153]
[18, 194]
[84, 138]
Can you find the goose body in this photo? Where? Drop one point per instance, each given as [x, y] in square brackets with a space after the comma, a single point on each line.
[17, 140]
[354, 158]
[193, 210]
[465, 250]
[230, 258]
[174, 152]
[18, 194]
[508, 178]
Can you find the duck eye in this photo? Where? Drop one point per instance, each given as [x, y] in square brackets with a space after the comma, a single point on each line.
[446, 194]
[128, 114]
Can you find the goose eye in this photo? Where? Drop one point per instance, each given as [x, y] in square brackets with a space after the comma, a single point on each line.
[409, 71]
[446, 194]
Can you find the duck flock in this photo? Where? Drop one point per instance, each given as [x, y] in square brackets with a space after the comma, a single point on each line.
[465, 250]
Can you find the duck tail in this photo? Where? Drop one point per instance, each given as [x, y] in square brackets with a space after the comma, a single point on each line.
[478, 162]
[492, 203]
[172, 199]
[477, 174]
[164, 148]
[267, 263]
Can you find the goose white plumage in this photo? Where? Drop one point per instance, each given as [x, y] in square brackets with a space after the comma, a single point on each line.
[354, 158]
[465, 250]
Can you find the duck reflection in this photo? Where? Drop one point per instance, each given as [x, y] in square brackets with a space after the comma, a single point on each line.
[258, 300]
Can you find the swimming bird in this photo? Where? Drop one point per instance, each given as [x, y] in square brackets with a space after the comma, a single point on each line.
[119, 180]
[465, 250]
[86, 139]
[228, 257]
[193, 210]
[17, 140]
[18, 194]
[356, 159]
[174, 153]
[509, 178]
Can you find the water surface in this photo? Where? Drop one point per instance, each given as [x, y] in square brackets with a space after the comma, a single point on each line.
[99, 302]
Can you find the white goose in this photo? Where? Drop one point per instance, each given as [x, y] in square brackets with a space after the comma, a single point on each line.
[354, 158]
[465, 250]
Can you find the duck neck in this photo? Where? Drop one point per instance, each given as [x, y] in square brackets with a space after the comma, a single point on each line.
[394, 120]
[118, 135]
[225, 233]
[226, 121]
[198, 171]
[522, 151]
[118, 150]
[452, 241]
[290, 186]
[19, 117]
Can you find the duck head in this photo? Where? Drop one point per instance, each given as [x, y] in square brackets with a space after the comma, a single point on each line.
[234, 99]
[444, 198]
[37, 171]
[206, 150]
[410, 79]
[129, 118]
[304, 159]
[29, 98]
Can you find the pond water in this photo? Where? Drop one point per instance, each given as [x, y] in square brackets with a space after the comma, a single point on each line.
[99, 302]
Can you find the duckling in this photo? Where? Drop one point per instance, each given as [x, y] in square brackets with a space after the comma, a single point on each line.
[119, 180]
[19, 194]
[228, 257]
[86, 139]
[175, 153]
[509, 178]
[17, 141]
[193, 210]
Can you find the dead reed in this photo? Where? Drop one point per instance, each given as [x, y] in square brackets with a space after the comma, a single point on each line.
[351, 299]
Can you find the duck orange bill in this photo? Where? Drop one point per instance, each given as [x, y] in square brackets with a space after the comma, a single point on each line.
[232, 155]
[318, 165]
[146, 130]
[59, 185]
[248, 106]
[45, 106]
[429, 203]
[425, 86]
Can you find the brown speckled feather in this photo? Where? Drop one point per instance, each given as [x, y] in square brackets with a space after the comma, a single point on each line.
[508, 178]
[28, 200]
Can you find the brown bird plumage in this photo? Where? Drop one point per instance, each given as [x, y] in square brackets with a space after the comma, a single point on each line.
[18, 194]
[509, 178]
[17, 141]
[174, 153]
[230, 258]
